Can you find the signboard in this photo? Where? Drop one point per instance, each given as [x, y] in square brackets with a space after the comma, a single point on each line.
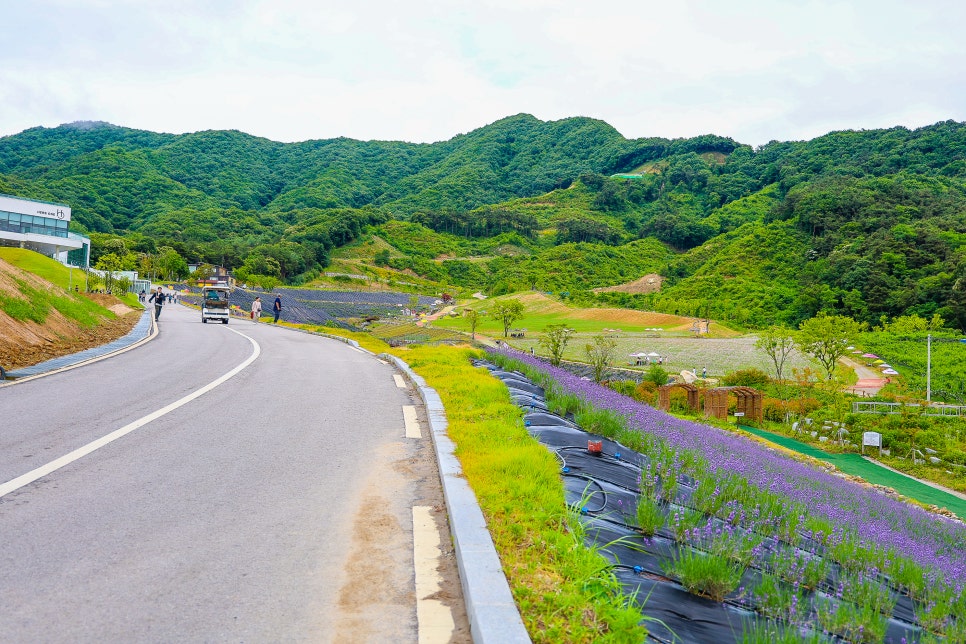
[872, 439]
[35, 208]
[739, 413]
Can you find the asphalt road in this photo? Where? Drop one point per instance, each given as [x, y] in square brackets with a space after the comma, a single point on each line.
[251, 513]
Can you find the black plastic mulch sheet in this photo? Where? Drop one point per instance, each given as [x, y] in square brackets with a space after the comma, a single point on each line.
[550, 420]
[604, 490]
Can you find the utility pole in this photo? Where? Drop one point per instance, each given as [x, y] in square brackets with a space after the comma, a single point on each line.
[928, 366]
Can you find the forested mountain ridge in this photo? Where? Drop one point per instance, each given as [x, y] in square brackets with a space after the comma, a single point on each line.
[865, 223]
[516, 156]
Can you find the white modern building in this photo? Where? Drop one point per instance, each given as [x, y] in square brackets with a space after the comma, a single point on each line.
[42, 227]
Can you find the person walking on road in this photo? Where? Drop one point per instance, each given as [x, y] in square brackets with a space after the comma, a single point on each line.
[256, 309]
[158, 298]
[277, 308]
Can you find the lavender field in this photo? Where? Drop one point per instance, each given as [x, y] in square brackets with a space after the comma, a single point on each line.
[719, 356]
[811, 555]
[344, 309]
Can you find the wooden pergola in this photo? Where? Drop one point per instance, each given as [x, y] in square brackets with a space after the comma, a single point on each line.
[749, 403]
[664, 396]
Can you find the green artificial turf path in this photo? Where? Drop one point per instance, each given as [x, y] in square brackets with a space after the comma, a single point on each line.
[857, 466]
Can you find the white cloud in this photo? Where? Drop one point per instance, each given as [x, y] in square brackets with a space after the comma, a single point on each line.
[429, 69]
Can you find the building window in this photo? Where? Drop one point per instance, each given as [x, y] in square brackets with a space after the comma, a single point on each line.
[16, 223]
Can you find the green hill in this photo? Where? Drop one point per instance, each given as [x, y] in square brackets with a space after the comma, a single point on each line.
[867, 223]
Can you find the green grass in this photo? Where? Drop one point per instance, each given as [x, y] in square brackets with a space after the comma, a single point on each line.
[564, 590]
[35, 305]
[43, 267]
[542, 311]
[709, 575]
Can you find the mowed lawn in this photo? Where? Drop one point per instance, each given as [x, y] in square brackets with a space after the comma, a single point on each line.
[721, 352]
[720, 356]
[42, 266]
[542, 311]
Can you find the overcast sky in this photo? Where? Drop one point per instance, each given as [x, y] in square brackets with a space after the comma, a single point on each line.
[427, 70]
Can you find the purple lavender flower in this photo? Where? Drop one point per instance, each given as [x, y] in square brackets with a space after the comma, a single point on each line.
[880, 522]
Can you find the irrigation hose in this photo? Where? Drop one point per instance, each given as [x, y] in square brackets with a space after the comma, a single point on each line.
[621, 463]
[583, 508]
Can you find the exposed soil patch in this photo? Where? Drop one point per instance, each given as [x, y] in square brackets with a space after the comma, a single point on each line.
[25, 343]
[647, 284]
[377, 598]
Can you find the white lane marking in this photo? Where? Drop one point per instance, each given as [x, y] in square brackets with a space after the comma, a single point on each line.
[80, 452]
[433, 618]
[399, 381]
[412, 423]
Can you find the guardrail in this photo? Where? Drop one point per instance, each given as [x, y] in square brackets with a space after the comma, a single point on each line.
[895, 408]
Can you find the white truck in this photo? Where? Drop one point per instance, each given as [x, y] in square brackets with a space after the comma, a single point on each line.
[214, 303]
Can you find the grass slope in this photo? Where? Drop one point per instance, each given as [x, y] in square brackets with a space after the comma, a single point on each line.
[43, 267]
[542, 310]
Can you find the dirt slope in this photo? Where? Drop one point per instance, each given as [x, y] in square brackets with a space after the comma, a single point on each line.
[26, 343]
[647, 284]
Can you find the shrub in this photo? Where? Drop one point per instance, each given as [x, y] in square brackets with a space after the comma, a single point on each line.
[656, 374]
[623, 387]
[746, 378]
[774, 409]
[804, 406]
[645, 392]
[955, 456]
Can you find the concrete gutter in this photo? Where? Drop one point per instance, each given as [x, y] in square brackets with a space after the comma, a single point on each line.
[493, 615]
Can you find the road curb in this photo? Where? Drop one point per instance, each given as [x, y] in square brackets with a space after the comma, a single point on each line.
[144, 331]
[493, 615]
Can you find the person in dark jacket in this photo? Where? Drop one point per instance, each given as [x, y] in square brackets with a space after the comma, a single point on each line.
[277, 307]
[158, 298]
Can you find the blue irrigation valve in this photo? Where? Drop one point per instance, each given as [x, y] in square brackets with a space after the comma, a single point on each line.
[526, 423]
[617, 455]
[566, 469]
[583, 509]
[638, 569]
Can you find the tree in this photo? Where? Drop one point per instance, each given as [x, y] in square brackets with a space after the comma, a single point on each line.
[554, 340]
[267, 282]
[258, 264]
[121, 286]
[473, 319]
[110, 264]
[508, 312]
[913, 324]
[93, 281]
[826, 338]
[600, 353]
[203, 272]
[778, 342]
[656, 374]
[171, 264]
